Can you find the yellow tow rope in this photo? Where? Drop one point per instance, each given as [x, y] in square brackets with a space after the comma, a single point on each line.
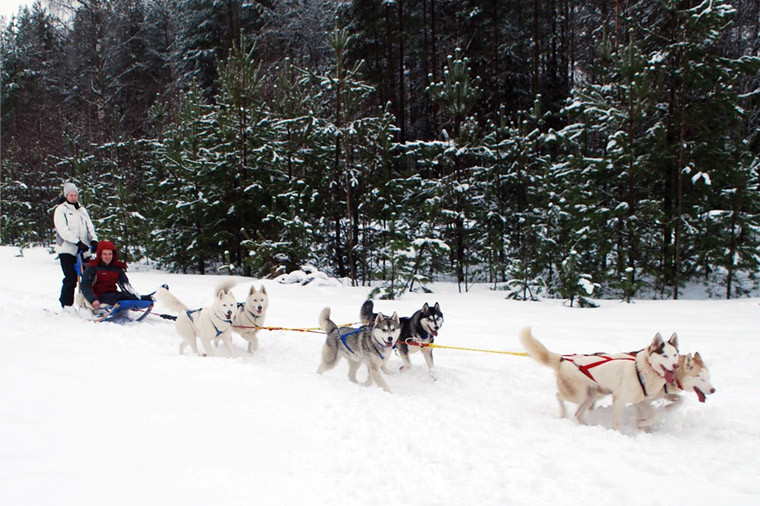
[317, 330]
[516, 353]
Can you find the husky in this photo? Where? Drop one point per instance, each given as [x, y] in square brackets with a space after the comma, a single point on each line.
[207, 323]
[634, 379]
[692, 374]
[370, 344]
[417, 332]
[251, 314]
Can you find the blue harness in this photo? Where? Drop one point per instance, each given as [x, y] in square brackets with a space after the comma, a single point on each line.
[190, 316]
[356, 331]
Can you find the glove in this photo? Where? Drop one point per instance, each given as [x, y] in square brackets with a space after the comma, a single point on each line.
[82, 247]
[93, 246]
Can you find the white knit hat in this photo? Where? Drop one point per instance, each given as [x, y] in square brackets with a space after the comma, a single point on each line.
[69, 187]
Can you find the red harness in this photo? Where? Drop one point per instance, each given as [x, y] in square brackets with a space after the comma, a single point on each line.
[585, 368]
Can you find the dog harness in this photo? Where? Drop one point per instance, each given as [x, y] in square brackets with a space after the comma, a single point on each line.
[190, 313]
[603, 360]
[356, 331]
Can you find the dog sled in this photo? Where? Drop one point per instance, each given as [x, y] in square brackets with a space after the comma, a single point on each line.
[120, 312]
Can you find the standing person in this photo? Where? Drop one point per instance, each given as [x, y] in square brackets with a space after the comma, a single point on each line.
[75, 234]
[105, 280]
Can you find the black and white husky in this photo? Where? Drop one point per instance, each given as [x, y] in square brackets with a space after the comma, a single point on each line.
[370, 344]
[417, 333]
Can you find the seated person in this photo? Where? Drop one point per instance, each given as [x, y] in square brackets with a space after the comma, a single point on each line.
[104, 276]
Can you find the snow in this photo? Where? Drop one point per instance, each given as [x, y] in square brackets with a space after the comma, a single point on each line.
[100, 413]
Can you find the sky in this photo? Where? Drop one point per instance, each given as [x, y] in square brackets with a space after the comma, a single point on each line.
[10, 7]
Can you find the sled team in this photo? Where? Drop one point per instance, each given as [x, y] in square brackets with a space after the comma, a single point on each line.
[639, 378]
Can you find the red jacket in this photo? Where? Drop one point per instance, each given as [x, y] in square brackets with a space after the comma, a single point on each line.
[100, 278]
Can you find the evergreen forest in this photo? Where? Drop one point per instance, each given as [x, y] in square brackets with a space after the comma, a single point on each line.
[549, 148]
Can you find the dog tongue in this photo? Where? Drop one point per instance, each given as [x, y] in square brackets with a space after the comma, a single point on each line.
[435, 333]
[670, 376]
[700, 394]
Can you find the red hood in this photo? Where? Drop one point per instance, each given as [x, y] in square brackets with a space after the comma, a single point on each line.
[107, 245]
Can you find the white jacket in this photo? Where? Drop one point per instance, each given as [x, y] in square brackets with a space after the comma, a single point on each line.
[72, 225]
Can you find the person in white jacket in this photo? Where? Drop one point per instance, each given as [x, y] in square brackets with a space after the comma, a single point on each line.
[75, 234]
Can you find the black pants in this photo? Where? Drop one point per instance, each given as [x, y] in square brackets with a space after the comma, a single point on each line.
[114, 297]
[69, 279]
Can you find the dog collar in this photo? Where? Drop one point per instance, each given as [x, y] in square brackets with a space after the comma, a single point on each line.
[655, 370]
[253, 315]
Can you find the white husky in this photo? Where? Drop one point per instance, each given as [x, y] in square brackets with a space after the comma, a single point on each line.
[208, 323]
[582, 378]
[250, 315]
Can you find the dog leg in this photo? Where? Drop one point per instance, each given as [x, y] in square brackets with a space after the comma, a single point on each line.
[561, 406]
[208, 347]
[675, 400]
[647, 416]
[329, 358]
[617, 413]
[374, 373]
[253, 343]
[353, 366]
[403, 352]
[588, 401]
[227, 338]
[428, 354]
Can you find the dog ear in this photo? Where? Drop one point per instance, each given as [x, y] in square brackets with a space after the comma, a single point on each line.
[674, 340]
[698, 358]
[263, 289]
[252, 290]
[656, 342]
[395, 317]
[425, 308]
[437, 307]
[379, 318]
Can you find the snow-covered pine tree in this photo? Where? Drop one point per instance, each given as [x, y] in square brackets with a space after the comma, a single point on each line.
[346, 135]
[208, 29]
[575, 285]
[240, 148]
[449, 160]
[180, 199]
[693, 138]
[295, 202]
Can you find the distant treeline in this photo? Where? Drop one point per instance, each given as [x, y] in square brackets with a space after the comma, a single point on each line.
[547, 147]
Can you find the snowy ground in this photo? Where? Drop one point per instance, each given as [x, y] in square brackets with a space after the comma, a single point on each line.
[107, 414]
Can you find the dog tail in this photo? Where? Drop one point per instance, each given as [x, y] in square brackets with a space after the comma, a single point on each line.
[366, 312]
[325, 323]
[225, 286]
[538, 351]
[169, 300]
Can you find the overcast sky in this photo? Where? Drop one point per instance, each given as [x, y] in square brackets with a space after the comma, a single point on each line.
[9, 7]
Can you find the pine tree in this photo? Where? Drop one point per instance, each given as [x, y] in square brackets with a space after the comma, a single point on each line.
[181, 200]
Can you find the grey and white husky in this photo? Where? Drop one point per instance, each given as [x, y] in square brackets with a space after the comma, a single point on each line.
[250, 315]
[208, 323]
[369, 344]
[417, 332]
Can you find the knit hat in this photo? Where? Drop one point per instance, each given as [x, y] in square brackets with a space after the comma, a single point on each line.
[69, 187]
